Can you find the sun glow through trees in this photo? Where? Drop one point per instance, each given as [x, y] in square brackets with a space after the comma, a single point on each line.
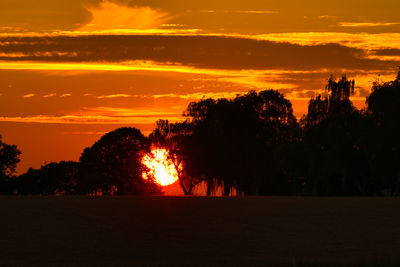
[160, 167]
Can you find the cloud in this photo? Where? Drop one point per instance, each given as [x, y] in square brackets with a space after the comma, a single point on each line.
[191, 96]
[354, 40]
[65, 95]
[75, 119]
[128, 112]
[205, 52]
[84, 133]
[200, 95]
[113, 96]
[29, 95]
[327, 17]
[50, 95]
[103, 115]
[238, 11]
[109, 16]
[173, 25]
[368, 24]
[254, 11]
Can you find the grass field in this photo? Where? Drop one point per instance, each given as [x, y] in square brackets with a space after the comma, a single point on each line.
[165, 231]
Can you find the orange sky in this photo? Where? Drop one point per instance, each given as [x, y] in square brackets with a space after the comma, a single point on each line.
[72, 70]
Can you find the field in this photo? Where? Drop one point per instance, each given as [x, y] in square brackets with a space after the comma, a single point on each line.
[165, 231]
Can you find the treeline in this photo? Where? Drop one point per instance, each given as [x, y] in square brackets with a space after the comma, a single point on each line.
[252, 144]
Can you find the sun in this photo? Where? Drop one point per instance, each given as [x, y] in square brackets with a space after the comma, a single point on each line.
[160, 167]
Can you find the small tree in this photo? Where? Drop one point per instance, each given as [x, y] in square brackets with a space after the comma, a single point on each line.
[9, 158]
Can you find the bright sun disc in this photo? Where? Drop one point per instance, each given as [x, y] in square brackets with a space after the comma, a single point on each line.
[160, 167]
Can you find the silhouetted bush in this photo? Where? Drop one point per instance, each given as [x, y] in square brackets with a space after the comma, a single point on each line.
[53, 178]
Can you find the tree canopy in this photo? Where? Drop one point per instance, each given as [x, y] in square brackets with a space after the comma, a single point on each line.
[113, 164]
[9, 158]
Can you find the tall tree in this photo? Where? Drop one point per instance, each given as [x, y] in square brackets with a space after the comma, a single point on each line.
[176, 137]
[334, 128]
[382, 143]
[236, 135]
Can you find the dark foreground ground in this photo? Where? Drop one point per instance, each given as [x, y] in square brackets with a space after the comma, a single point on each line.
[165, 231]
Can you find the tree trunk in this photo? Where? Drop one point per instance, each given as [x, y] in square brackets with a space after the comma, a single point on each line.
[185, 191]
[227, 189]
[209, 187]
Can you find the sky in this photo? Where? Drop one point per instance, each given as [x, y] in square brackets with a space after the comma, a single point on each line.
[70, 71]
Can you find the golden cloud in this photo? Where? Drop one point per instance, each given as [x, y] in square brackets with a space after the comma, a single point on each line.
[75, 119]
[367, 24]
[29, 95]
[110, 16]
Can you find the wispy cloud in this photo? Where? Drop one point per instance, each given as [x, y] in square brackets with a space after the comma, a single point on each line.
[65, 95]
[113, 96]
[128, 112]
[50, 95]
[29, 95]
[238, 11]
[327, 17]
[355, 40]
[253, 11]
[103, 115]
[173, 25]
[84, 133]
[367, 24]
[109, 15]
[200, 95]
[86, 32]
[75, 119]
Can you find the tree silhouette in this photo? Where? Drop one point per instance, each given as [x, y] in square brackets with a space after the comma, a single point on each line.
[382, 142]
[177, 138]
[336, 102]
[235, 137]
[334, 130]
[53, 178]
[317, 110]
[113, 164]
[9, 158]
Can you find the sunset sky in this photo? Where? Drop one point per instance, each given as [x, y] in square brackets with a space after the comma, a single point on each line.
[73, 70]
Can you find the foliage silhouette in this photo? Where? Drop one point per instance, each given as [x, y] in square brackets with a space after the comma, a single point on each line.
[236, 136]
[113, 165]
[382, 143]
[9, 158]
[177, 137]
[52, 178]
